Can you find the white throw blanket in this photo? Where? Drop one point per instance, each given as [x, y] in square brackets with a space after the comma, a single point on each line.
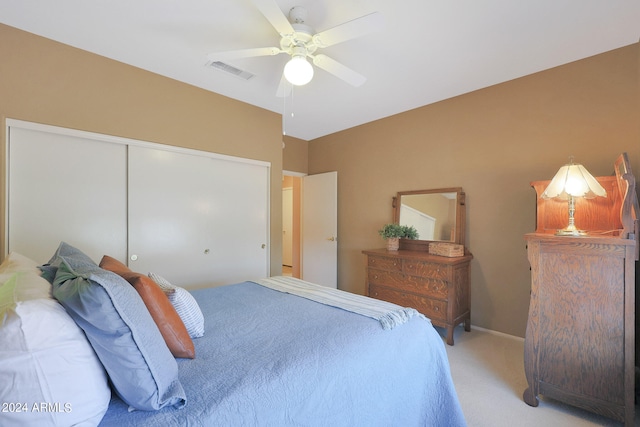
[388, 314]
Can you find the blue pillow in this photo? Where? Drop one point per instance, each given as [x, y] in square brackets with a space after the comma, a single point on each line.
[120, 329]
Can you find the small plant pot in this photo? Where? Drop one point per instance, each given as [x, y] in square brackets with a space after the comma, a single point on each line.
[393, 243]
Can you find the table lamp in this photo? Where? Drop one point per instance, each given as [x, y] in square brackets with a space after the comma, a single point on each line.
[571, 181]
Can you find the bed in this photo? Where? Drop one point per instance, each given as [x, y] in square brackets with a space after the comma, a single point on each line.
[267, 356]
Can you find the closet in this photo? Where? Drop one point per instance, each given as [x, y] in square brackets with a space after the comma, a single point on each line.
[194, 217]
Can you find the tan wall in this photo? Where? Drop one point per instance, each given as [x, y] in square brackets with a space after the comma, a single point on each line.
[295, 155]
[492, 143]
[47, 82]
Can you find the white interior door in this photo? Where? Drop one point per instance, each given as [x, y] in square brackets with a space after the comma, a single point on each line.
[320, 229]
[65, 185]
[197, 220]
[287, 226]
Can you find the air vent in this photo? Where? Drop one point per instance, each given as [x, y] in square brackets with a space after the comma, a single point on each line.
[237, 72]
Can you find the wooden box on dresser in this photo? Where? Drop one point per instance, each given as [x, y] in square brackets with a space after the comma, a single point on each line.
[579, 342]
[436, 286]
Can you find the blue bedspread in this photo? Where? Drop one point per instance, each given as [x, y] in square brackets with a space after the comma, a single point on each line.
[273, 359]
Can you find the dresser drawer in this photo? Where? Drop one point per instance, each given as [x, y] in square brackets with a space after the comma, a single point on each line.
[433, 309]
[426, 269]
[385, 263]
[432, 288]
[436, 286]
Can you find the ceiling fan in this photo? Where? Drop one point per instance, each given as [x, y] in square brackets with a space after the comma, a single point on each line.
[300, 41]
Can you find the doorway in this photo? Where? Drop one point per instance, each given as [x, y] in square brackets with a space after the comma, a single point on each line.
[314, 241]
[291, 202]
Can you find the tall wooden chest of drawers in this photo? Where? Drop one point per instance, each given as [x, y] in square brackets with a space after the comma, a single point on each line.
[579, 346]
[580, 334]
[436, 286]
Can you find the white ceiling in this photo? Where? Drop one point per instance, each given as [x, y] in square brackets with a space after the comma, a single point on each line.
[427, 51]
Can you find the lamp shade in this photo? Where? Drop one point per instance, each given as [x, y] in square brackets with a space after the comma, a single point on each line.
[573, 180]
[298, 71]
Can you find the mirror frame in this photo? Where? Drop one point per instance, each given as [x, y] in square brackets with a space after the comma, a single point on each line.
[461, 215]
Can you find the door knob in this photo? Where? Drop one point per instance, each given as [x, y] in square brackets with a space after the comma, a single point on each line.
[333, 239]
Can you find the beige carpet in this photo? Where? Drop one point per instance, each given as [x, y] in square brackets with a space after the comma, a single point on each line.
[488, 373]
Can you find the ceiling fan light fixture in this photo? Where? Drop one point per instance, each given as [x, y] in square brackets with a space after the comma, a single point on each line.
[298, 71]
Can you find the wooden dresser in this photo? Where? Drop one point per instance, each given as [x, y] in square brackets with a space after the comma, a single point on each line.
[579, 343]
[436, 286]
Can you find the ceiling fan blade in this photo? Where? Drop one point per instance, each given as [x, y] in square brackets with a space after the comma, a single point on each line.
[274, 15]
[337, 69]
[349, 30]
[284, 88]
[243, 53]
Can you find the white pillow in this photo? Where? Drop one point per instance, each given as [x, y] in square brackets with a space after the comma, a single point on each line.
[20, 281]
[185, 304]
[49, 373]
[15, 262]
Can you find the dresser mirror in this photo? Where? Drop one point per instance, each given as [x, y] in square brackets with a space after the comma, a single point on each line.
[438, 215]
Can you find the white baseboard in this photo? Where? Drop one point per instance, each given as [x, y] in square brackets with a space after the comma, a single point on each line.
[502, 334]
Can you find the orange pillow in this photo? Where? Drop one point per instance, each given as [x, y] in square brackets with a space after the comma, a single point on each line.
[164, 315]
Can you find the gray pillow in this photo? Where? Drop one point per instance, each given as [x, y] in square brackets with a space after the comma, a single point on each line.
[119, 328]
[185, 304]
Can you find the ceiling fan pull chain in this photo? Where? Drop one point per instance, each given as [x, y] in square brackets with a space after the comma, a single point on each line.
[284, 115]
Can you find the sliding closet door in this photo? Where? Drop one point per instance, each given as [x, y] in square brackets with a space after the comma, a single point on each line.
[197, 220]
[64, 186]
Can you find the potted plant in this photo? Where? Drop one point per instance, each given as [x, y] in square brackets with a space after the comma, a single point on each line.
[392, 233]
